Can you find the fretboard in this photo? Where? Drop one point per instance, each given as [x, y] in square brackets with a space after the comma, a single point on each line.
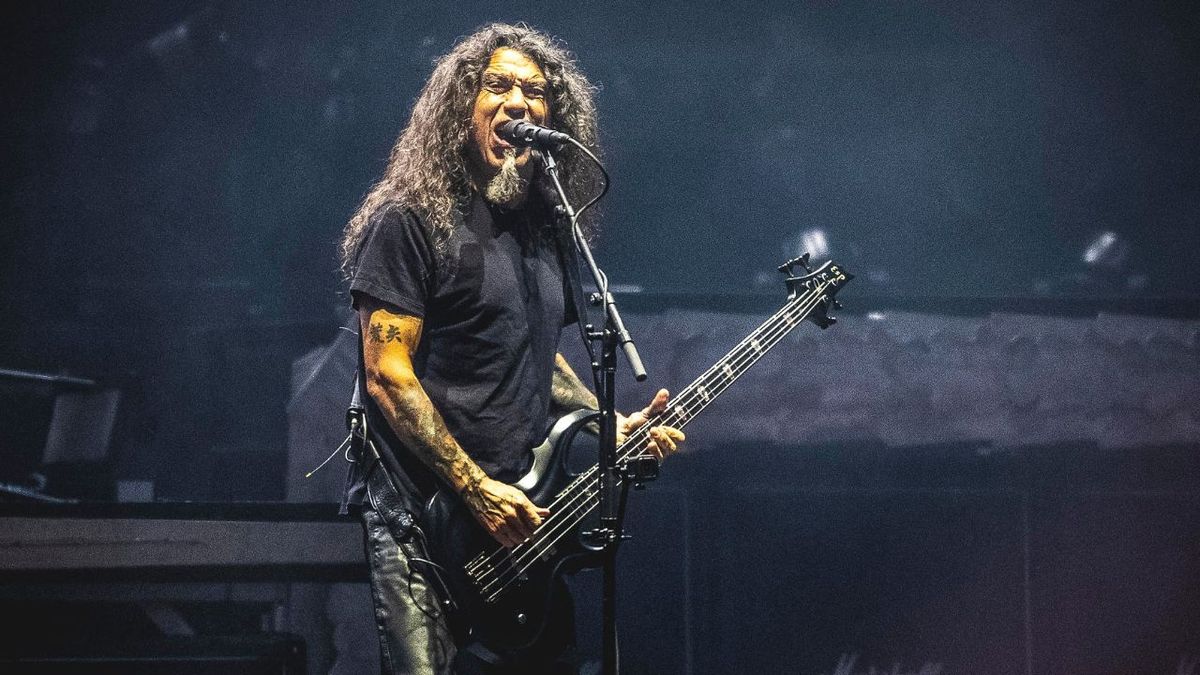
[706, 388]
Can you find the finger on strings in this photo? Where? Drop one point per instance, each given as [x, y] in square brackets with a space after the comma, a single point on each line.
[663, 439]
[506, 538]
[533, 517]
[659, 403]
[524, 524]
[655, 449]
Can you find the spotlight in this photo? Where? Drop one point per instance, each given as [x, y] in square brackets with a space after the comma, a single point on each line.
[1106, 250]
[812, 241]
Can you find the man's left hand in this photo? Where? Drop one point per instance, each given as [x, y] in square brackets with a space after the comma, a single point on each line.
[663, 440]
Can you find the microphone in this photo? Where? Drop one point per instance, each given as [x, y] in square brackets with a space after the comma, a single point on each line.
[522, 134]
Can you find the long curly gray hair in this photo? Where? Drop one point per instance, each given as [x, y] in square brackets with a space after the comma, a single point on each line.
[427, 170]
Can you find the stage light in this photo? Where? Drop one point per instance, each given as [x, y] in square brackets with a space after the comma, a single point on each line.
[1107, 249]
[814, 242]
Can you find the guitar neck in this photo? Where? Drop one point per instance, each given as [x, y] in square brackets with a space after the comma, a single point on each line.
[705, 389]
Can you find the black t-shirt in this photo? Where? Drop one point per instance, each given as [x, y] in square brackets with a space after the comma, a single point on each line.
[493, 308]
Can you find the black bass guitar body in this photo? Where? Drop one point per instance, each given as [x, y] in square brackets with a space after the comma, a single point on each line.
[504, 599]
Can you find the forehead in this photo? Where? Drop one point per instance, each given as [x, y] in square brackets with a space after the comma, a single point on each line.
[512, 62]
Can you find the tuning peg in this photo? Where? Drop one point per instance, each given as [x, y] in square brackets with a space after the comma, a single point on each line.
[837, 305]
[786, 268]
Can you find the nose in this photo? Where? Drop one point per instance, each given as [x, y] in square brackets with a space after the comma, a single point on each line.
[515, 105]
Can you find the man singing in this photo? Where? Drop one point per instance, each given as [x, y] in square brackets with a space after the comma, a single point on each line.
[460, 291]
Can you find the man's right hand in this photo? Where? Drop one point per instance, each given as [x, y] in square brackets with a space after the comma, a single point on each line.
[503, 510]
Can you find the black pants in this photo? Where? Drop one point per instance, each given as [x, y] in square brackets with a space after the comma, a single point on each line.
[414, 637]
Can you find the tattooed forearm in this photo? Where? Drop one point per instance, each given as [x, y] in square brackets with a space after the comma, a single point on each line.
[471, 492]
[567, 392]
[388, 343]
[420, 426]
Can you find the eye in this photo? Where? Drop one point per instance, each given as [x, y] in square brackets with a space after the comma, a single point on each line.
[536, 91]
[496, 84]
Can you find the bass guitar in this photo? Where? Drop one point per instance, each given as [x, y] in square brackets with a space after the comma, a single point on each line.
[503, 596]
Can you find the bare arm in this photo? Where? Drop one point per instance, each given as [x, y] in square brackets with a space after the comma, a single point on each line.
[567, 392]
[389, 340]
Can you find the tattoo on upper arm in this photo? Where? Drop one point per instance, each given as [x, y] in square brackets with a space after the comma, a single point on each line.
[567, 392]
[376, 333]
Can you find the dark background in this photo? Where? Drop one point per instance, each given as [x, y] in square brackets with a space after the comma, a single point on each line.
[176, 175]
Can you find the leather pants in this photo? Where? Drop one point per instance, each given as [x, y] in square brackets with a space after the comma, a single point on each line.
[414, 637]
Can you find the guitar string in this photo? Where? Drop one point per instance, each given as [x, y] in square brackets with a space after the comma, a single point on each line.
[762, 328]
[570, 488]
[787, 318]
[525, 561]
[589, 504]
[784, 317]
[571, 492]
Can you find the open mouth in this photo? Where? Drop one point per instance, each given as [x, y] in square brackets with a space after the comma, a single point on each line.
[499, 143]
[496, 132]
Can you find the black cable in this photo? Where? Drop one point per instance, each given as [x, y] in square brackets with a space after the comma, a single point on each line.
[435, 575]
[603, 172]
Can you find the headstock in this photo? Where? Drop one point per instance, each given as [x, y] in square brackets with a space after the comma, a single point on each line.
[821, 284]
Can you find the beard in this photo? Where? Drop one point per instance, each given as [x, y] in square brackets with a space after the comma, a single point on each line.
[508, 185]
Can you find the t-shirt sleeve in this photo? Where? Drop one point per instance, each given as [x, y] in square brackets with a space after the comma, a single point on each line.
[395, 264]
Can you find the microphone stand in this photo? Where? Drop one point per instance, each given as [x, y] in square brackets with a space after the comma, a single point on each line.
[608, 535]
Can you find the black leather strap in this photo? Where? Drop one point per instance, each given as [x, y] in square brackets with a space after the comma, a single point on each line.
[387, 503]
